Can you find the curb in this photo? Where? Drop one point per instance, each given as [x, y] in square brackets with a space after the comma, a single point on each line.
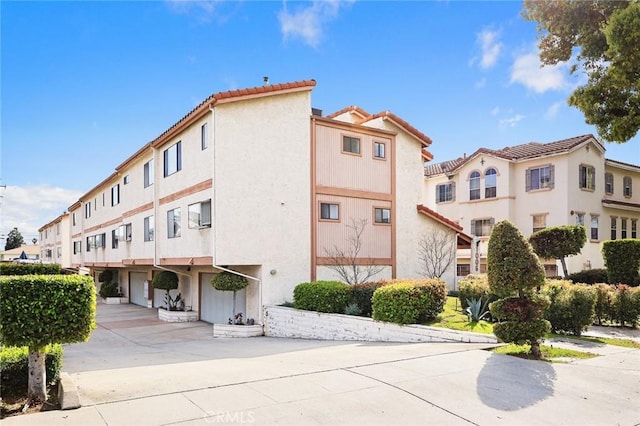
[68, 395]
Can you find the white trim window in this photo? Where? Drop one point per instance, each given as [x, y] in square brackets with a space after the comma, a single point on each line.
[474, 185]
[148, 173]
[608, 183]
[594, 227]
[115, 195]
[204, 136]
[87, 210]
[626, 186]
[539, 222]
[482, 227]
[199, 214]
[173, 223]
[382, 215]
[351, 144]
[173, 159]
[490, 183]
[329, 211]
[149, 228]
[379, 149]
[587, 177]
[446, 192]
[539, 178]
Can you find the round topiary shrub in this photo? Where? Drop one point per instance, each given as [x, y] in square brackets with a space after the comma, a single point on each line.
[165, 280]
[227, 281]
[321, 296]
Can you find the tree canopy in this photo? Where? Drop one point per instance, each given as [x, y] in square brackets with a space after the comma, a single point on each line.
[558, 242]
[14, 239]
[605, 38]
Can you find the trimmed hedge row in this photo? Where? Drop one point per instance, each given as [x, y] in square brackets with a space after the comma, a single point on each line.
[590, 276]
[622, 259]
[29, 269]
[14, 366]
[572, 307]
[321, 296]
[409, 302]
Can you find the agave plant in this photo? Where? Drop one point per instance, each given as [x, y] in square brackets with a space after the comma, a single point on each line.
[477, 310]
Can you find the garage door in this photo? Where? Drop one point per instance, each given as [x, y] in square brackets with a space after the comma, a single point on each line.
[217, 306]
[136, 288]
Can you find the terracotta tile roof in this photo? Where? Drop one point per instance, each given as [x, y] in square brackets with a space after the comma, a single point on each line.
[620, 163]
[463, 239]
[195, 113]
[518, 152]
[442, 168]
[352, 108]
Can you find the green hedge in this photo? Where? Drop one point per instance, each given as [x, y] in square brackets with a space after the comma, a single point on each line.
[622, 259]
[14, 366]
[605, 295]
[29, 269]
[473, 287]
[572, 306]
[321, 296]
[362, 295]
[590, 276]
[36, 310]
[409, 302]
[625, 308]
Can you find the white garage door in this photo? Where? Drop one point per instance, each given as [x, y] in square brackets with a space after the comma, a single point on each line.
[217, 306]
[136, 288]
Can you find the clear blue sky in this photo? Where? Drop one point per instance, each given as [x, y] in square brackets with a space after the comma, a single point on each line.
[85, 84]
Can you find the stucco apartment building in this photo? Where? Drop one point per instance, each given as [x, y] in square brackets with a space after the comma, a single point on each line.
[256, 182]
[55, 241]
[537, 185]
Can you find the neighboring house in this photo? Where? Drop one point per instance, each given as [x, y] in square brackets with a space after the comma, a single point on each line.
[536, 186]
[32, 253]
[55, 241]
[255, 182]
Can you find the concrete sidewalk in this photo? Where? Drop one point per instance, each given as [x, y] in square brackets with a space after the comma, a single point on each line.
[158, 373]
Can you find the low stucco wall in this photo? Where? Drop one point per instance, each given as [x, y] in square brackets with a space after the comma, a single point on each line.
[294, 323]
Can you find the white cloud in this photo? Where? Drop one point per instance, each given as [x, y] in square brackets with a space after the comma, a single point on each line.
[511, 122]
[495, 111]
[553, 110]
[28, 208]
[307, 22]
[490, 46]
[202, 10]
[527, 71]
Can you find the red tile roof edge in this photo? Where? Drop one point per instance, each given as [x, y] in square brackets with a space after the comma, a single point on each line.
[426, 140]
[351, 108]
[432, 213]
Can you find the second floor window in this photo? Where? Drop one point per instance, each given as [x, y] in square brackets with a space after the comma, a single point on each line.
[474, 186]
[148, 173]
[490, 183]
[382, 215]
[173, 223]
[482, 227]
[445, 192]
[149, 228]
[539, 178]
[608, 183]
[77, 247]
[200, 215]
[329, 211]
[351, 144]
[378, 150]
[626, 183]
[115, 195]
[173, 159]
[87, 210]
[204, 141]
[587, 177]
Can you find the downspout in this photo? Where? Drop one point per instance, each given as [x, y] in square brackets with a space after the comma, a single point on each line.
[214, 205]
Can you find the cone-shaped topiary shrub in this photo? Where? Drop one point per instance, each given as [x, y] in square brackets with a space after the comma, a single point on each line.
[227, 281]
[515, 275]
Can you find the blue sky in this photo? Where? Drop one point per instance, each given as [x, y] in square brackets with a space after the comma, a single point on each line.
[85, 84]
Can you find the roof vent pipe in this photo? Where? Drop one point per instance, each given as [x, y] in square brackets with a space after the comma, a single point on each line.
[265, 79]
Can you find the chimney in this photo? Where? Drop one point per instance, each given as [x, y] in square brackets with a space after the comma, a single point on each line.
[265, 79]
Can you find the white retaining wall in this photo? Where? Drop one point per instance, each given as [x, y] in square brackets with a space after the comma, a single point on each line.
[294, 323]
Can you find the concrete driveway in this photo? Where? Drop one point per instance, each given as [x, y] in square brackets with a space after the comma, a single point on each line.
[136, 370]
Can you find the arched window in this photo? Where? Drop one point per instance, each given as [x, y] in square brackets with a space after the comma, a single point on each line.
[490, 183]
[474, 186]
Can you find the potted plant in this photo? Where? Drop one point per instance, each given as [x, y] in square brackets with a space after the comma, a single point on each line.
[174, 310]
[227, 281]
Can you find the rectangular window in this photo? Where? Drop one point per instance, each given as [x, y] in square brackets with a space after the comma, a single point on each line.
[634, 228]
[200, 215]
[382, 215]
[580, 219]
[329, 211]
[623, 227]
[87, 210]
[445, 192]
[173, 159]
[173, 223]
[148, 173]
[123, 232]
[77, 247]
[462, 270]
[114, 238]
[378, 150]
[115, 195]
[126, 180]
[73, 219]
[482, 227]
[100, 240]
[351, 144]
[539, 178]
[594, 227]
[539, 222]
[626, 183]
[608, 183]
[204, 143]
[587, 177]
[148, 228]
[614, 223]
[57, 229]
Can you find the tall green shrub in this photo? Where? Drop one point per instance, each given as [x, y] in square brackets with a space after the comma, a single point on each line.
[37, 310]
[604, 294]
[409, 302]
[572, 306]
[625, 308]
[515, 275]
[622, 259]
[558, 242]
[321, 296]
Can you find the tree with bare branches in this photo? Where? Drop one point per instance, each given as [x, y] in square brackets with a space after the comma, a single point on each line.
[347, 262]
[436, 251]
